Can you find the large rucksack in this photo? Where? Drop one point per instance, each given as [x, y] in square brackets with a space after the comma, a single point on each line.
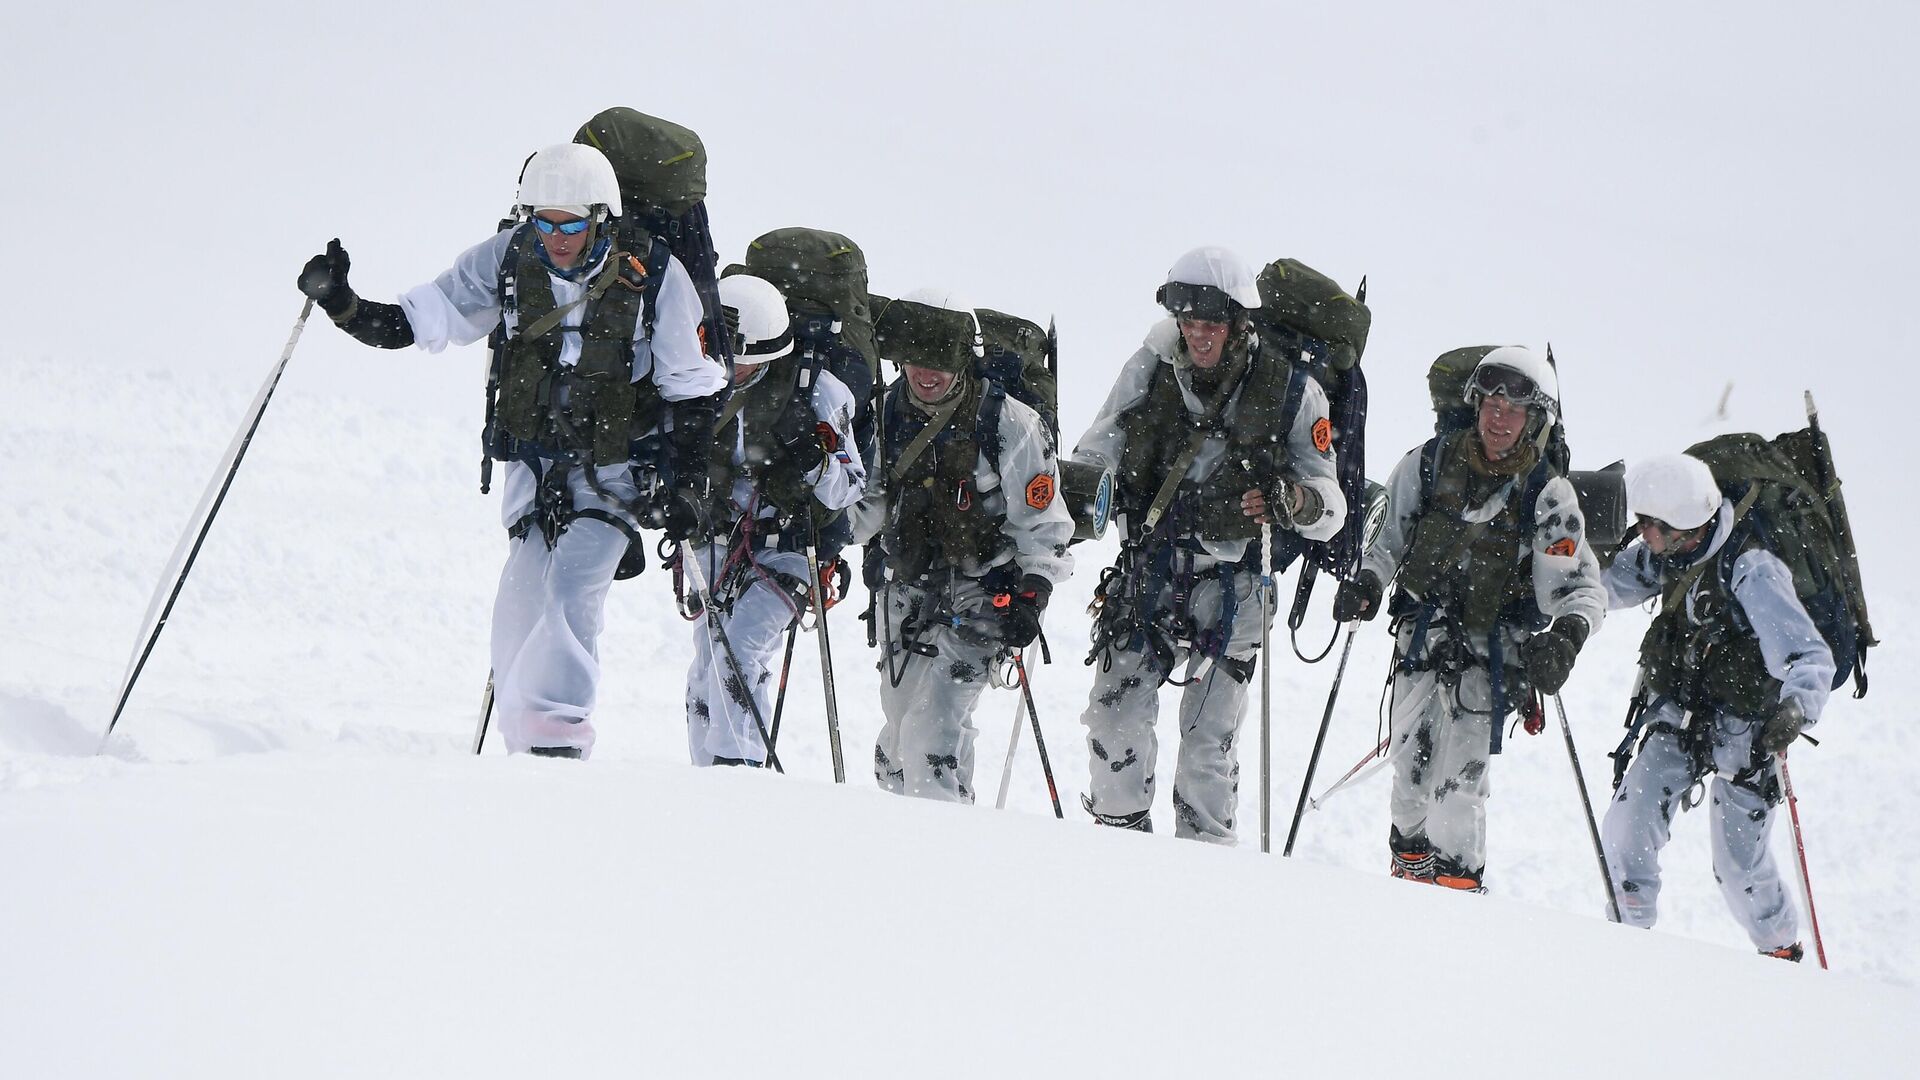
[1308, 318]
[1021, 359]
[823, 276]
[1602, 493]
[1025, 360]
[662, 170]
[1794, 509]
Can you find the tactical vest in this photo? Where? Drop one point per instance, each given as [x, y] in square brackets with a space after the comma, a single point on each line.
[937, 517]
[593, 410]
[780, 475]
[1160, 428]
[1711, 661]
[1482, 574]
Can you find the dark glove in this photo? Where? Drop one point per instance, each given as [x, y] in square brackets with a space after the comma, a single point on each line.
[1550, 653]
[324, 278]
[1358, 599]
[692, 434]
[1783, 728]
[681, 513]
[1020, 610]
[797, 434]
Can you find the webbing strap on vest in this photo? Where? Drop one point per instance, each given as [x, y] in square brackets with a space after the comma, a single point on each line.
[1497, 680]
[935, 425]
[1203, 427]
[609, 273]
[1417, 645]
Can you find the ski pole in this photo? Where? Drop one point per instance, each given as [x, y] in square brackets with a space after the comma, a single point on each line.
[1377, 752]
[1800, 850]
[1266, 688]
[780, 696]
[826, 647]
[188, 549]
[1013, 744]
[1039, 741]
[1320, 740]
[1593, 830]
[486, 714]
[725, 648]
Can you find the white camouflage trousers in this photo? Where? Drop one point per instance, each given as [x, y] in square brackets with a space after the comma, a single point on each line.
[1442, 740]
[925, 748]
[547, 617]
[1124, 707]
[1640, 819]
[720, 724]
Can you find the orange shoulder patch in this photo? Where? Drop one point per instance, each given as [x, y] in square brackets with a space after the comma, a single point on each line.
[1323, 435]
[1040, 491]
[1563, 547]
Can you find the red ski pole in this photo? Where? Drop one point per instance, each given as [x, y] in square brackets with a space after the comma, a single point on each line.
[1800, 849]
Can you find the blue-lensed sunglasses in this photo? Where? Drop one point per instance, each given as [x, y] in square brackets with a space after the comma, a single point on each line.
[566, 228]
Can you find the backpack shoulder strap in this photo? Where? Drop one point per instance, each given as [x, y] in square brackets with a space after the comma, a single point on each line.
[654, 267]
[1543, 471]
[986, 422]
[1429, 469]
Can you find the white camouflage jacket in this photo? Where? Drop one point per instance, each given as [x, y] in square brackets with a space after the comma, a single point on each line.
[462, 305]
[1795, 652]
[1564, 583]
[1039, 535]
[1105, 441]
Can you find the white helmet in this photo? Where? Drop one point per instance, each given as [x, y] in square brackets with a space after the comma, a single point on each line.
[1495, 374]
[946, 300]
[766, 331]
[1208, 282]
[569, 177]
[1675, 489]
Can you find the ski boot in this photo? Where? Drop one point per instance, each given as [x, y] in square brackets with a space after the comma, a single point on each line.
[1412, 860]
[1452, 875]
[1790, 953]
[1137, 822]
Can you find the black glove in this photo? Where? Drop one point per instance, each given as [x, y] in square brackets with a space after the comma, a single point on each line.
[1783, 728]
[1549, 654]
[680, 514]
[1358, 599]
[324, 278]
[1020, 613]
[796, 434]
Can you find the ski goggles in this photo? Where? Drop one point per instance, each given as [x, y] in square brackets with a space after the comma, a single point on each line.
[1670, 535]
[1202, 303]
[1506, 383]
[564, 228]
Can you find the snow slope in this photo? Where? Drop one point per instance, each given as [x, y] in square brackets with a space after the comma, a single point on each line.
[367, 914]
